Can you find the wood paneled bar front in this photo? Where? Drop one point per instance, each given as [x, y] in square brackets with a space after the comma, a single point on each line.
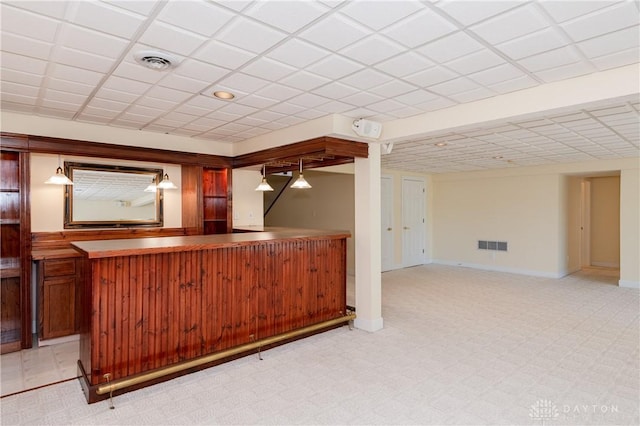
[156, 308]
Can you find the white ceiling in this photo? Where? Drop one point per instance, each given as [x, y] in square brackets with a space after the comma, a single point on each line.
[292, 61]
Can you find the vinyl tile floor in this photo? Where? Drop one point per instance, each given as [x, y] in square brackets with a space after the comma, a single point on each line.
[459, 346]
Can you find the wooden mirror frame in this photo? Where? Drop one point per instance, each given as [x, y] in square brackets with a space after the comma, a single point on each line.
[71, 223]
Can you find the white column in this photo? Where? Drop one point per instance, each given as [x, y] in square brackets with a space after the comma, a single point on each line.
[367, 241]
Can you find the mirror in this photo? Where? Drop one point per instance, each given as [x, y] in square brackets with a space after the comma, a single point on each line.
[105, 196]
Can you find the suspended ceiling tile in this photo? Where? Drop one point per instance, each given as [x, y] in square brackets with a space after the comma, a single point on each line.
[614, 18]
[223, 55]
[165, 37]
[380, 14]
[509, 25]
[419, 28]
[268, 69]
[610, 43]
[21, 77]
[335, 90]
[366, 79]
[470, 12]
[32, 25]
[21, 45]
[392, 89]
[257, 101]
[82, 60]
[450, 47]
[20, 89]
[551, 59]
[200, 71]
[287, 16]
[474, 62]
[22, 63]
[534, 43]
[105, 18]
[514, 84]
[334, 32]
[497, 74]
[566, 71]
[334, 67]
[204, 18]
[116, 95]
[617, 59]
[126, 85]
[404, 64]
[297, 53]
[562, 10]
[182, 83]
[372, 50]
[431, 76]
[278, 92]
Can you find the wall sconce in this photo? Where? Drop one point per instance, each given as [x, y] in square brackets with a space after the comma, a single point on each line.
[301, 183]
[264, 185]
[152, 186]
[59, 178]
[166, 183]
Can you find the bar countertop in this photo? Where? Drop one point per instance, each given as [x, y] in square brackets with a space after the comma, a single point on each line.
[139, 246]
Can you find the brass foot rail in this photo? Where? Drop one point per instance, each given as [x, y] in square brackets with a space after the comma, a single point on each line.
[126, 382]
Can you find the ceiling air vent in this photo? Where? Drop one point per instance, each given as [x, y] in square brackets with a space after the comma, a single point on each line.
[158, 61]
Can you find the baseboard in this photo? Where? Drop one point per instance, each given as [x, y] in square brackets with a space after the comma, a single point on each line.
[57, 340]
[528, 272]
[606, 264]
[368, 325]
[629, 284]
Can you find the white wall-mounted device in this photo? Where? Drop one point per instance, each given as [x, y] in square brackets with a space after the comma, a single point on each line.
[367, 128]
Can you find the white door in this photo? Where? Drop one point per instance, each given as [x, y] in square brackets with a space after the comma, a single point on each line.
[386, 213]
[413, 221]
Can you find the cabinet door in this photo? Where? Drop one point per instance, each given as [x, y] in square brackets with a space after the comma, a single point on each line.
[58, 310]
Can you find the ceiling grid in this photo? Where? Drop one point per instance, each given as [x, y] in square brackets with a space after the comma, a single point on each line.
[291, 61]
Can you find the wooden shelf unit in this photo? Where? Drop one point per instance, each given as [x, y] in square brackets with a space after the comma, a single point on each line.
[15, 270]
[206, 200]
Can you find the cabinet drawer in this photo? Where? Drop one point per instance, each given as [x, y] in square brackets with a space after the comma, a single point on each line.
[61, 267]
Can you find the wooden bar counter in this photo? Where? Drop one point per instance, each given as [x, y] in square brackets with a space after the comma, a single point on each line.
[155, 308]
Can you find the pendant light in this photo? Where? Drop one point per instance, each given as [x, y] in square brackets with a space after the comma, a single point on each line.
[166, 183]
[264, 185]
[301, 183]
[59, 178]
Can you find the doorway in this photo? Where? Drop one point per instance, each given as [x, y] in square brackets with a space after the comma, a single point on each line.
[386, 228]
[599, 244]
[413, 221]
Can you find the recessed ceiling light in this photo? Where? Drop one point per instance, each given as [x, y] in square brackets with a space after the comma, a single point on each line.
[441, 144]
[154, 60]
[221, 94]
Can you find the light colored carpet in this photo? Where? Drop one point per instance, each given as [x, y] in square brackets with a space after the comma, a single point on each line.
[460, 346]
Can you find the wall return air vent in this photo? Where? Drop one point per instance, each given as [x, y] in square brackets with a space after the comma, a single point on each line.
[492, 245]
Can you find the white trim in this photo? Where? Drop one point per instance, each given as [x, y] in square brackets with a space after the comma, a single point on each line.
[57, 340]
[532, 273]
[606, 264]
[629, 284]
[368, 325]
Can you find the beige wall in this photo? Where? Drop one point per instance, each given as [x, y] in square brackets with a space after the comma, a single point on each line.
[605, 221]
[534, 209]
[247, 203]
[522, 210]
[329, 204]
[47, 201]
[630, 226]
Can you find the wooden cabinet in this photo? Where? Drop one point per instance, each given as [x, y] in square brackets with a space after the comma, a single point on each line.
[15, 275]
[59, 283]
[206, 200]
